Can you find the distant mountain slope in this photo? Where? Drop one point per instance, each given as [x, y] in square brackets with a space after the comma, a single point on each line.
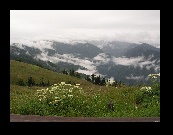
[145, 50]
[81, 50]
[28, 55]
[127, 62]
[115, 48]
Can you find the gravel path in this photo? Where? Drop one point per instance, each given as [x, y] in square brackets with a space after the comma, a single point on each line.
[37, 118]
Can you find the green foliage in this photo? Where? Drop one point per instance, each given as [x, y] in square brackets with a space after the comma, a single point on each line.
[72, 99]
[20, 70]
[31, 81]
[147, 96]
[21, 82]
[64, 72]
[96, 79]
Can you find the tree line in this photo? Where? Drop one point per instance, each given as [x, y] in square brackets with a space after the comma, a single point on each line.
[31, 82]
[97, 80]
[71, 73]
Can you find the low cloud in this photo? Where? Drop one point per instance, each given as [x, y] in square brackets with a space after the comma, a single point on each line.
[40, 44]
[87, 72]
[141, 62]
[127, 61]
[18, 45]
[69, 58]
[131, 77]
[101, 58]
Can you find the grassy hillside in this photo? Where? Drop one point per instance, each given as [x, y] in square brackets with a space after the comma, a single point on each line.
[86, 99]
[20, 70]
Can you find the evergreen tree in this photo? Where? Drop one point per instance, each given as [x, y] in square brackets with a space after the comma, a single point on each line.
[103, 82]
[42, 82]
[93, 78]
[88, 78]
[21, 82]
[64, 72]
[97, 80]
[48, 83]
[31, 81]
[72, 72]
[77, 75]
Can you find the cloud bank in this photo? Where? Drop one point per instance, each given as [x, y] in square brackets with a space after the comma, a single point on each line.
[65, 25]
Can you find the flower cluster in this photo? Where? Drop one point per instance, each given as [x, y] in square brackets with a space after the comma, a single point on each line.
[57, 93]
[148, 95]
[154, 76]
[148, 89]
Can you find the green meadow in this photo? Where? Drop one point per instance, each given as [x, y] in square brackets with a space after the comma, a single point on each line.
[70, 96]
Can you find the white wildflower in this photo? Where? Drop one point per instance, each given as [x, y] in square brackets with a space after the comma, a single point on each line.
[56, 101]
[70, 95]
[143, 88]
[154, 77]
[38, 90]
[68, 84]
[62, 83]
[70, 90]
[148, 88]
[150, 75]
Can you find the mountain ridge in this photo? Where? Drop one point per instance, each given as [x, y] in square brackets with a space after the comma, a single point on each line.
[88, 58]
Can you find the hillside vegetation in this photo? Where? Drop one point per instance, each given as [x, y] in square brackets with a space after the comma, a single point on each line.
[71, 96]
[20, 70]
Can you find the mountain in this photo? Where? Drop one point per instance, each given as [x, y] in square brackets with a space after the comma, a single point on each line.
[143, 50]
[123, 61]
[81, 50]
[115, 48]
[27, 54]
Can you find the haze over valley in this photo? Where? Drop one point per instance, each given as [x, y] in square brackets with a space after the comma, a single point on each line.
[119, 45]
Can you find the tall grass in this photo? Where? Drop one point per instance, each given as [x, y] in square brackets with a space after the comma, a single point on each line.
[86, 99]
[21, 70]
[60, 100]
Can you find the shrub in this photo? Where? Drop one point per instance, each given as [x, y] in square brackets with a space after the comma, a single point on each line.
[21, 82]
[149, 95]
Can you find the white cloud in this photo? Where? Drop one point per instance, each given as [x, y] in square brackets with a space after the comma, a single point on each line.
[18, 45]
[91, 65]
[134, 77]
[137, 62]
[111, 79]
[69, 58]
[40, 44]
[87, 72]
[124, 25]
[101, 58]
[133, 61]
[145, 63]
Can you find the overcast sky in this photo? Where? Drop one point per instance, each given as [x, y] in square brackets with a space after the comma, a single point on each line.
[123, 25]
